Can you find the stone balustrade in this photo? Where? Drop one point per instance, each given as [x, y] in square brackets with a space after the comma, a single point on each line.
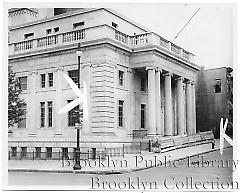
[175, 49]
[73, 36]
[164, 43]
[24, 45]
[139, 39]
[121, 37]
[95, 33]
[47, 41]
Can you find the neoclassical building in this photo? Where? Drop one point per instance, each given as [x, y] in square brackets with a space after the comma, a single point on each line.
[139, 84]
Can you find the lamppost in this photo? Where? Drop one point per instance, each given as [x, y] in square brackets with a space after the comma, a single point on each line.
[78, 126]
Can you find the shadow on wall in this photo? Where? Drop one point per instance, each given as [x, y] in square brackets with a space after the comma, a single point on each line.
[202, 103]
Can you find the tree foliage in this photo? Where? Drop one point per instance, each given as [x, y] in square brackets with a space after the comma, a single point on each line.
[15, 103]
[229, 130]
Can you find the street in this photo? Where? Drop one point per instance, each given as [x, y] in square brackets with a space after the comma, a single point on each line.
[209, 167]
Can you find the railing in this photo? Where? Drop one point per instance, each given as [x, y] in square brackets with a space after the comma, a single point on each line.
[95, 33]
[164, 43]
[122, 37]
[74, 35]
[186, 55]
[162, 145]
[47, 41]
[25, 45]
[178, 142]
[86, 153]
[175, 49]
[53, 155]
[139, 39]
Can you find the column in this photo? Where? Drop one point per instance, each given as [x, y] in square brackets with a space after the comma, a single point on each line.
[180, 106]
[58, 81]
[151, 102]
[32, 80]
[168, 105]
[189, 107]
[158, 102]
[193, 109]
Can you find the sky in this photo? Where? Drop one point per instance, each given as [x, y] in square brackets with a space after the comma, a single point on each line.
[209, 35]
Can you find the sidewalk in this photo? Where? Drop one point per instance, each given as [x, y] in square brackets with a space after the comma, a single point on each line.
[129, 163]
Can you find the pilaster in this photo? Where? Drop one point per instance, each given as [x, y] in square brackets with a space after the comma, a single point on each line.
[33, 103]
[58, 101]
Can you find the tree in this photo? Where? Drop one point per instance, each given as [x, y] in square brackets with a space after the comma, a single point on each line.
[229, 130]
[15, 104]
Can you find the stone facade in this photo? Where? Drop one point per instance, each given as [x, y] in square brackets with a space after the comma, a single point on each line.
[157, 89]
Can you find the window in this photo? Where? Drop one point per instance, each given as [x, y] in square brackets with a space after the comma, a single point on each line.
[143, 88]
[38, 152]
[28, 36]
[49, 152]
[24, 151]
[65, 152]
[56, 29]
[143, 107]
[72, 116]
[49, 31]
[74, 75]
[43, 80]
[114, 25]
[77, 25]
[22, 123]
[50, 79]
[42, 114]
[120, 113]
[120, 76]
[50, 114]
[218, 86]
[14, 151]
[23, 83]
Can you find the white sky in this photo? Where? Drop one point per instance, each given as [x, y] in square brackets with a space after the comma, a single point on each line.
[209, 35]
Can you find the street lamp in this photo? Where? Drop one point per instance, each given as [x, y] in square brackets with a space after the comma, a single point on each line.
[78, 126]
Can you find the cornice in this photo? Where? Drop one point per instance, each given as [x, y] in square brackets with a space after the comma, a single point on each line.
[166, 54]
[104, 42]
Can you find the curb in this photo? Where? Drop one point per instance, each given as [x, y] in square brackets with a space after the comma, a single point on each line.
[103, 172]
